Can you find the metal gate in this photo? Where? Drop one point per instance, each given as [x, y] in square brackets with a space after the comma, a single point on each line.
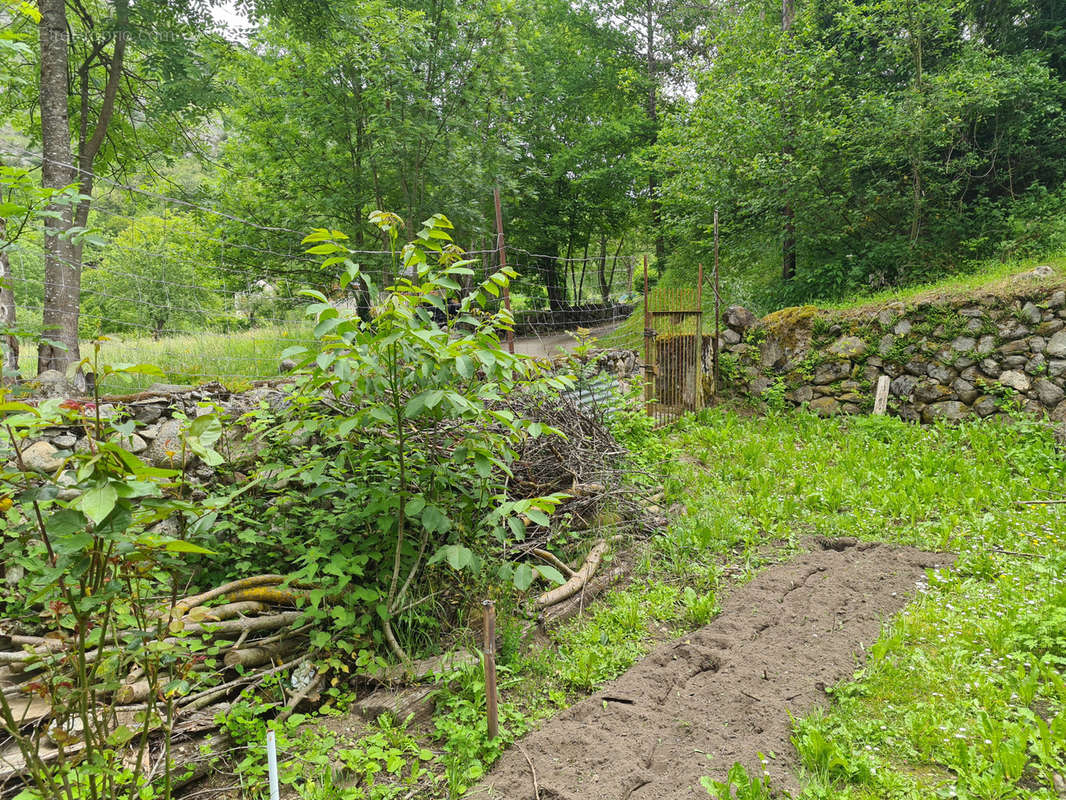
[673, 350]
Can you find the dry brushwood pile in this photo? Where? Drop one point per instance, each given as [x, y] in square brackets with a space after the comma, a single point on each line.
[585, 462]
[254, 622]
[257, 626]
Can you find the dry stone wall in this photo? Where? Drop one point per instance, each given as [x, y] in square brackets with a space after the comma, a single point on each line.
[159, 415]
[948, 358]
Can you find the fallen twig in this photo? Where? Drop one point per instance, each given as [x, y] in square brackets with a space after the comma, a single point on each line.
[575, 584]
[554, 560]
[532, 770]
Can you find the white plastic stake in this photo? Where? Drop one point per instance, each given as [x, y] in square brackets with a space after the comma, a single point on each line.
[272, 765]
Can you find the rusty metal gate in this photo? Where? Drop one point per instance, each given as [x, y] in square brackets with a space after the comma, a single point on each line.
[673, 350]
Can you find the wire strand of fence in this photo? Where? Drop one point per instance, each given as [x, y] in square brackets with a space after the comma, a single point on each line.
[204, 304]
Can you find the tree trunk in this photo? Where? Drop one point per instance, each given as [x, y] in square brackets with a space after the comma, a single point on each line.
[59, 346]
[788, 249]
[653, 118]
[10, 363]
[604, 288]
[548, 265]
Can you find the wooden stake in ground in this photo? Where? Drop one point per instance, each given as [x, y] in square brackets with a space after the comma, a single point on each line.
[881, 397]
[489, 649]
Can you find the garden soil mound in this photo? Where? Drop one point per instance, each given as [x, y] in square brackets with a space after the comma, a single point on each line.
[695, 706]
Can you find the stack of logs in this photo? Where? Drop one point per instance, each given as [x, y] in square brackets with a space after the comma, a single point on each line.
[258, 620]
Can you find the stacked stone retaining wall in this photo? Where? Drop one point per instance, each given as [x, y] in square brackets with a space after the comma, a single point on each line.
[948, 358]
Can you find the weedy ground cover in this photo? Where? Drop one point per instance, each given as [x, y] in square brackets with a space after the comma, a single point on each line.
[960, 697]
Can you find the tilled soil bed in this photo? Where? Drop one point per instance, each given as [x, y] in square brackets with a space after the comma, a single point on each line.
[695, 706]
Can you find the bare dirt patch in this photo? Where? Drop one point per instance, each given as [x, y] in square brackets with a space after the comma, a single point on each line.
[694, 706]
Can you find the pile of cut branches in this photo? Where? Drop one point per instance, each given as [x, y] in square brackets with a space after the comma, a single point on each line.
[585, 462]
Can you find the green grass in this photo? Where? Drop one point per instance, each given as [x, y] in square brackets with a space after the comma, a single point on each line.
[995, 277]
[961, 696]
[754, 488]
[234, 359]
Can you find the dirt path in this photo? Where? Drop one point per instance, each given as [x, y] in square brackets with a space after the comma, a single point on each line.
[551, 344]
[693, 707]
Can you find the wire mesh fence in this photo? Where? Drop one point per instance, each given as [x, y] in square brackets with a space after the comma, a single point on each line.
[207, 295]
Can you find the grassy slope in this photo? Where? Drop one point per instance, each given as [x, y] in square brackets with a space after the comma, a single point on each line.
[233, 358]
[960, 697]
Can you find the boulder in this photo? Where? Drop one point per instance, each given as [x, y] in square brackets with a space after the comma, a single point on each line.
[730, 337]
[1056, 346]
[902, 328]
[1037, 365]
[1030, 313]
[986, 345]
[42, 457]
[991, 368]
[984, 406]
[1018, 381]
[830, 371]
[963, 344]
[941, 373]
[903, 386]
[65, 440]
[916, 367]
[166, 448]
[50, 383]
[803, 394]
[739, 318]
[949, 410]
[1051, 327]
[966, 391]
[1056, 367]
[1013, 329]
[1014, 347]
[1037, 344]
[771, 354]
[888, 341]
[1047, 392]
[825, 406]
[1057, 299]
[147, 413]
[927, 391]
[1014, 362]
[1059, 414]
[850, 347]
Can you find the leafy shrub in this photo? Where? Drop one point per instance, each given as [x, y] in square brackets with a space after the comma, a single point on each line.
[394, 453]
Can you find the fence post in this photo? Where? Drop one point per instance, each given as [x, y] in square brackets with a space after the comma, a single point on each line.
[699, 339]
[503, 263]
[717, 311]
[488, 647]
[648, 335]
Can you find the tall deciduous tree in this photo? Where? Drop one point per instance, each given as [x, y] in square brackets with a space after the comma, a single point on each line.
[103, 93]
[902, 146]
[62, 286]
